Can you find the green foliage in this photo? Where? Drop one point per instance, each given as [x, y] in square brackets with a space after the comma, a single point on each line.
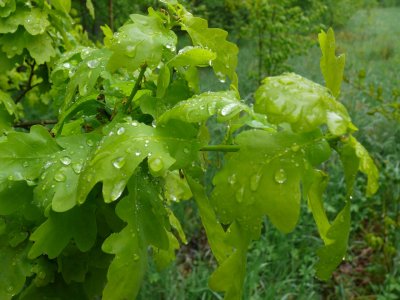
[97, 185]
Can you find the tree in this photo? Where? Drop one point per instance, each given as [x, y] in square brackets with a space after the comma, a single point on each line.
[85, 194]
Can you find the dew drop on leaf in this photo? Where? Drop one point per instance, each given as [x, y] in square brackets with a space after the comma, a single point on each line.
[186, 150]
[89, 142]
[255, 182]
[77, 168]
[118, 162]
[10, 289]
[137, 153]
[232, 179]
[134, 123]
[67, 65]
[120, 130]
[295, 147]
[135, 257]
[93, 63]
[280, 176]
[59, 177]
[239, 195]
[25, 164]
[228, 109]
[65, 160]
[156, 164]
[117, 190]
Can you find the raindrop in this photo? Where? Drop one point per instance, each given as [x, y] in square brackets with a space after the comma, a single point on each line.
[156, 164]
[10, 289]
[25, 164]
[280, 176]
[239, 195]
[186, 150]
[228, 109]
[135, 257]
[117, 190]
[120, 130]
[67, 65]
[89, 142]
[232, 179]
[118, 162]
[137, 153]
[60, 177]
[295, 147]
[255, 182]
[134, 123]
[93, 63]
[77, 168]
[65, 160]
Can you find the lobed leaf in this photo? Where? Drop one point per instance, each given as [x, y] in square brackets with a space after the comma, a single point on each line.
[305, 105]
[332, 66]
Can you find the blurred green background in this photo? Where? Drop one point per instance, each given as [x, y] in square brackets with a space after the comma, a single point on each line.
[275, 37]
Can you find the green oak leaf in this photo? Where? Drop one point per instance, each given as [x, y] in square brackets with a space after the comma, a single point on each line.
[35, 22]
[52, 236]
[15, 267]
[214, 39]
[165, 146]
[199, 108]
[193, 56]
[62, 5]
[264, 177]
[332, 66]
[22, 155]
[7, 7]
[355, 158]
[61, 176]
[142, 41]
[90, 7]
[305, 105]
[127, 269]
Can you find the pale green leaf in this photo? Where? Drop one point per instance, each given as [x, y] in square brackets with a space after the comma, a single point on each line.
[23, 155]
[199, 108]
[193, 56]
[332, 66]
[62, 5]
[6, 8]
[90, 7]
[35, 22]
[305, 105]
[171, 145]
[214, 39]
[142, 41]
[264, 177]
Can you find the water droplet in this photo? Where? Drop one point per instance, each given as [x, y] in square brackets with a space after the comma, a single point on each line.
[232, 179]
[25, 164]
[280, 176]
[228, 109]
[47, 164]
[120, 130]
[255, 182]
[67, 65]
[156, 164]
[89, 142]
[93, 63]
[295, 147]
[65, 160]
[117, 190]
[59, 177]
[135, 257]
[10, 289]
[134, 123]
[239, 195]
[77, 168]
[186, 150]
[137, 153]
[119, 162]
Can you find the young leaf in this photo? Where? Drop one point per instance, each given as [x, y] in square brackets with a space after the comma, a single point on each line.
[264, 177]
[165, 146]
[201, 107]
[332, 66]
[303, 104]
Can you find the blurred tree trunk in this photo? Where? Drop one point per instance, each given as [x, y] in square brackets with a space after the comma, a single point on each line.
[110, 14]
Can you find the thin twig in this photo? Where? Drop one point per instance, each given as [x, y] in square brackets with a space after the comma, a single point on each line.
[28, 124]
[29, 85]
[136, 87]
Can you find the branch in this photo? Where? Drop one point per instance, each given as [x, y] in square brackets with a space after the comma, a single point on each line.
[136, 86]
[28, 124]
[29, 85]
[221, 148]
